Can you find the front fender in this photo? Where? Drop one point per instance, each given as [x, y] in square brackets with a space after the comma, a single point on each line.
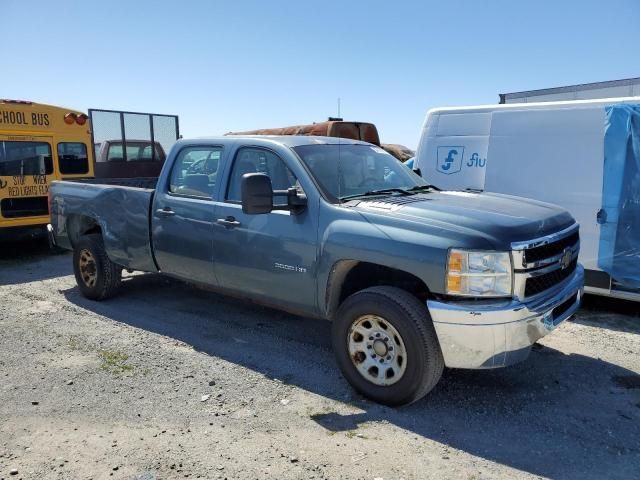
[347, 241]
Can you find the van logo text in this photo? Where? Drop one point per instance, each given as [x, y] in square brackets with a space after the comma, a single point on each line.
[450, 159]
[476, 161]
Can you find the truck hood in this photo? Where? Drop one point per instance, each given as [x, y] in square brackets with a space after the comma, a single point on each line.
[496, 218]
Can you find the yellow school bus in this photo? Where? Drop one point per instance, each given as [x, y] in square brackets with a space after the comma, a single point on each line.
[38, 143]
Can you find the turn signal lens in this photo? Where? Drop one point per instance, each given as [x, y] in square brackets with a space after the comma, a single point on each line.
[475, 273]
[456, 261]
[454, 284]
[70, 118]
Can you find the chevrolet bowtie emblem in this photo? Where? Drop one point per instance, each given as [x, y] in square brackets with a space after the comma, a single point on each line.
[565, 258]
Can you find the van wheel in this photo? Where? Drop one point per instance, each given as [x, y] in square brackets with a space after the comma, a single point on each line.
[98, 278]
[386, 345]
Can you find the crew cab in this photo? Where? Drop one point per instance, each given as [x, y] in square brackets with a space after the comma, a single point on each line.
[414, 279]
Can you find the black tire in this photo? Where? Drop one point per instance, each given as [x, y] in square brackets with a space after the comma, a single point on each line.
[410, 317]
[107, 277]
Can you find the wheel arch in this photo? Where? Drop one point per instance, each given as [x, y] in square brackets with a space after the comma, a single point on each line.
[79, 225]
[350, 276]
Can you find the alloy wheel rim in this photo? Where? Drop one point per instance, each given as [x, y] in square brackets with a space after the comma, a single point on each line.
[377, 350]
[88, 268]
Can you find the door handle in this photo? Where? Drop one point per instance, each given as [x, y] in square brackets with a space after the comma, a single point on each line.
[165, 212]
[228, 222]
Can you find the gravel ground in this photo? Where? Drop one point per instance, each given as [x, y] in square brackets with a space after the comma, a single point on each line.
[167, 381]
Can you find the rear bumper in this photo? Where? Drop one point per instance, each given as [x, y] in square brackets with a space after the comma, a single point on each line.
[499, 333]
[19, 233]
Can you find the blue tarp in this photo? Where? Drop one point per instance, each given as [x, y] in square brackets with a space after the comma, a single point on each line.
[619, 253]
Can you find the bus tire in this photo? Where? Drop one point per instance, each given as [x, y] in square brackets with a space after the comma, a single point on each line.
[98, 278]
[386, 345]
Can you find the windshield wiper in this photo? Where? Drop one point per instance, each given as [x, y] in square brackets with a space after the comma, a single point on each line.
[419, 188]
[382, 191]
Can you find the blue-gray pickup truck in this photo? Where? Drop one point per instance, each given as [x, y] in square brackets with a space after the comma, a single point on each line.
[414, 279]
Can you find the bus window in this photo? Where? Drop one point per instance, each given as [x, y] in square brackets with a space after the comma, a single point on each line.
[72, 158]
[25, 158]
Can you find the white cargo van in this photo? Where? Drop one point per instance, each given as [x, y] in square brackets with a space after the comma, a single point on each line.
[581, 155]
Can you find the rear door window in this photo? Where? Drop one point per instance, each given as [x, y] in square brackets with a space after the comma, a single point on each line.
[72, 158]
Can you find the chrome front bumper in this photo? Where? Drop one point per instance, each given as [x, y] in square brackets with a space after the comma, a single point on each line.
[497, 333]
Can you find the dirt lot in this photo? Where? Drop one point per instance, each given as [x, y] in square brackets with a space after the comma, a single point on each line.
[167, 381]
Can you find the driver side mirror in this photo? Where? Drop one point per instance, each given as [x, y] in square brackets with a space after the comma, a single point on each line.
[257, 196]
[257, 193]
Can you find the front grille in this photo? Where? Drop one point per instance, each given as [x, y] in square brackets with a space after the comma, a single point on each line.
[564, 306]
[535, 285]
[550, 250]
[24, 207]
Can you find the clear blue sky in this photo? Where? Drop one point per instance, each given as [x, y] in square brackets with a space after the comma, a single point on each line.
[242, 64]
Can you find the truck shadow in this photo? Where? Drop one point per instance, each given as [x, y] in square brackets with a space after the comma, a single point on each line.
[610, 313]
[31, 260]
[555, 415]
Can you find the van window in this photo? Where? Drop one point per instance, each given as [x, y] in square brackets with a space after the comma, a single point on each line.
[72, 158]
[195, 171]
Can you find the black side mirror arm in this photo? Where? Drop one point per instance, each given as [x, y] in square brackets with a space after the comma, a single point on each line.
[296, 202]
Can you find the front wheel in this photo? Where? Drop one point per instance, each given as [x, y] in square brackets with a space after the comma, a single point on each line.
[98, 278]
[386, 345]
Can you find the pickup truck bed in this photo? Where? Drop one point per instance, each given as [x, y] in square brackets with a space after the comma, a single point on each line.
[127, 234]
[147, 183]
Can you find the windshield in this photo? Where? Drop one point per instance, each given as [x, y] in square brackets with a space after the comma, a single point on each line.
[349, 170]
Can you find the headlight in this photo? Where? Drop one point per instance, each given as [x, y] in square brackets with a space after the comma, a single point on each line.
[479, 274]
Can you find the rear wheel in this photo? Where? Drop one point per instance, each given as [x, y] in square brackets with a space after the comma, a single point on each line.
[386, 345]
[98, 278]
